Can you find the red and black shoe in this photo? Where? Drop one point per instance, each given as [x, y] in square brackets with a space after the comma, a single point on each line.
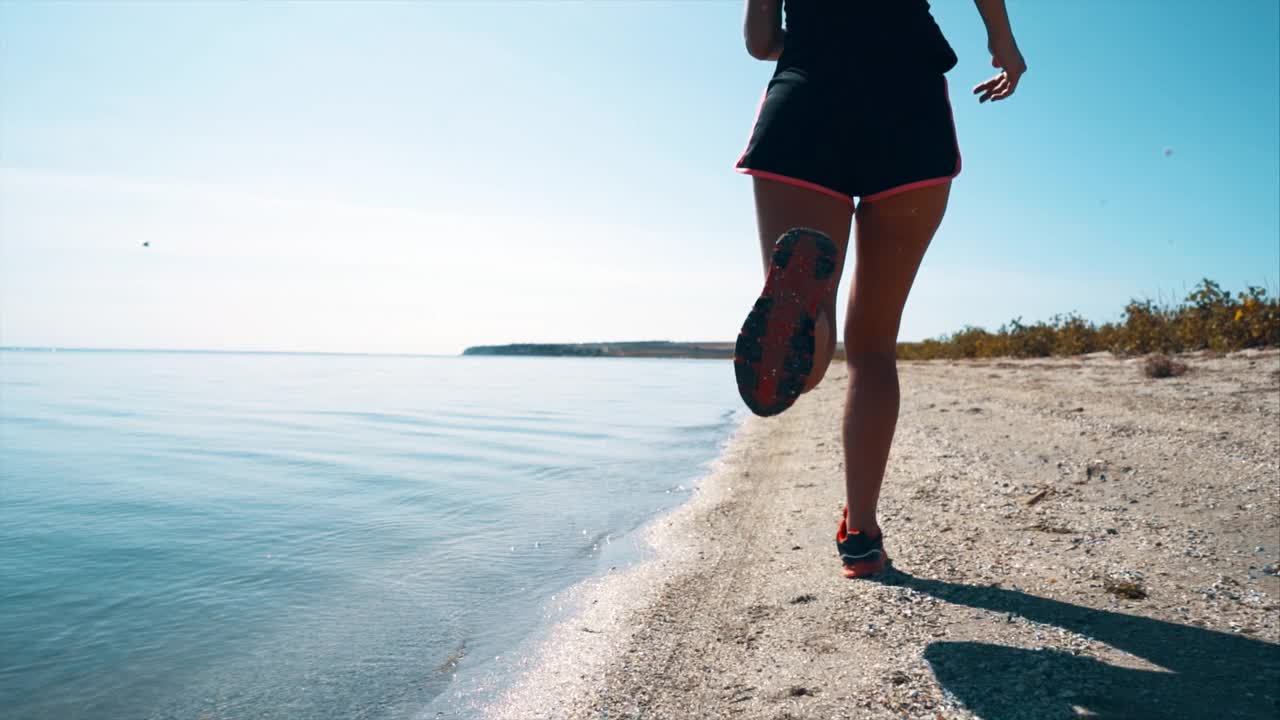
[774, 354]
[860, 555]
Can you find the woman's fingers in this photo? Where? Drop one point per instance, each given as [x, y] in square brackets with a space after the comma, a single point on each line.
[1006, 88]
[986, 86]
[986, 90]
[983, 85]
[997, 88]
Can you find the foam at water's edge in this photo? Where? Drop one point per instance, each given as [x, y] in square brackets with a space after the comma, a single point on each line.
[568, 664]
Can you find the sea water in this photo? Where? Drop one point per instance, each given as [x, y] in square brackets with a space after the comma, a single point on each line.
[224, 535]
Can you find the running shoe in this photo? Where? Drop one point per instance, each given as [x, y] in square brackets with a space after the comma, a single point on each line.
[774, 353]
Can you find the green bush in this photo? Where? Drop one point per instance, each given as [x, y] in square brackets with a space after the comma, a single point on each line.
[1208, 319]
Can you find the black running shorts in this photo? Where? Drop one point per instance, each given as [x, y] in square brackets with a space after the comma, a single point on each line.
[850, 137]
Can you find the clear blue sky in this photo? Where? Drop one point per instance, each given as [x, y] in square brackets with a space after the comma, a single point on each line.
[419, 177]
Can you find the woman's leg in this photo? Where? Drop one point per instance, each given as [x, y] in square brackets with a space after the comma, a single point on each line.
[891, 238]
[780, 207]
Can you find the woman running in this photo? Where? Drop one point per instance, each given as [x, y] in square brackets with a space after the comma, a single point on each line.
[857, 108]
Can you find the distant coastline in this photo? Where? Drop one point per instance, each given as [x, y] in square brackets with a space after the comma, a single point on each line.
[1208, 319]
[641, 349]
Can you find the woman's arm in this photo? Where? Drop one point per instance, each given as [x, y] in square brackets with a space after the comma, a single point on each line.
[1004, 52]
[996, 17]
[762, 29]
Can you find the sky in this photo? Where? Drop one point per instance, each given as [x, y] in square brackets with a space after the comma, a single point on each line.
[420, 177]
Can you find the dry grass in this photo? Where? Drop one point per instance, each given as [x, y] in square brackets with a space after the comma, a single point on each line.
[1124, 588]
[1208, 319]
[1162, 366]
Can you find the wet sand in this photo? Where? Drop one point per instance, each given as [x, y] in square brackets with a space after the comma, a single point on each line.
[1069, 539]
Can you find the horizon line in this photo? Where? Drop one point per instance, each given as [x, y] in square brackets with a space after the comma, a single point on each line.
[354, 353]
[213, 351]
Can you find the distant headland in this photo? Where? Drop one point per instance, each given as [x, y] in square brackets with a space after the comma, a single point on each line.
[1209, 319]
[641, 349]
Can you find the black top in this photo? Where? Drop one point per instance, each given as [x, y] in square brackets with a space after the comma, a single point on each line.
[841, 36]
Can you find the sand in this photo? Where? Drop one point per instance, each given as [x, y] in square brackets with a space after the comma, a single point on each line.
[1069, 539]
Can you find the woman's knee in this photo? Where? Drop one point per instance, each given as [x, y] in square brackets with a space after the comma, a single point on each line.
[869, 336]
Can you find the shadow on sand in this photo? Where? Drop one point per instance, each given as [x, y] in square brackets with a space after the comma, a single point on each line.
[1205, 674]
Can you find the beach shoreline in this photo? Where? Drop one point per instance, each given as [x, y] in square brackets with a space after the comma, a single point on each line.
[566, 660]
[1066, 534]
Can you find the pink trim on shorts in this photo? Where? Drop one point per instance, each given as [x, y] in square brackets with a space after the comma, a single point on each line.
[795, 181]
[775, 176]
[931, 181]
[909, 186]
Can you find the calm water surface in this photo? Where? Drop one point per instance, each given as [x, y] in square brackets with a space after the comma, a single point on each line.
[200, 535]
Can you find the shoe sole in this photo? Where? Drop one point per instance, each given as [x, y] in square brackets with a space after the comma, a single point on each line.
[867, 568]
[861, 568]
[773, 357]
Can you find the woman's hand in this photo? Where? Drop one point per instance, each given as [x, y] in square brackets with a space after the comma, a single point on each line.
[1005, 56]
[1004, 52]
